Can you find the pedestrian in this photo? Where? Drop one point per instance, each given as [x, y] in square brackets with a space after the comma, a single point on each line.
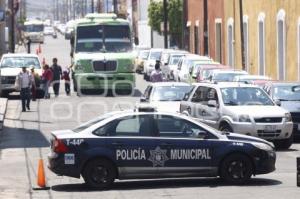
[46, 80]
[66, 77]
[57, 74]
[156, 75]
[35, 83]
[25, 83]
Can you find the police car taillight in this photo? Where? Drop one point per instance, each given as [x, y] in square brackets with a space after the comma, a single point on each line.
[59, 146]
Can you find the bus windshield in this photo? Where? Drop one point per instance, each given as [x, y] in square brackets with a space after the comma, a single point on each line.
[34, 28]
[103, 38]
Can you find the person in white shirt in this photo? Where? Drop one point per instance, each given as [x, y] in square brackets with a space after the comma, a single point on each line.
[25, 82]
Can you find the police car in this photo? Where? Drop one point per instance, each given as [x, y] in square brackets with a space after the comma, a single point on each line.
[143, 144]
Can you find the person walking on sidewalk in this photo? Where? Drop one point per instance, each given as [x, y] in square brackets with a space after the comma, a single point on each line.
[46, 80]
[156, 75]
[66, 77]
[25, 82]
[35, 83]
[57, 74]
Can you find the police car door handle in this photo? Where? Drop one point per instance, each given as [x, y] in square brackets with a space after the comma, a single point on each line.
[166, 144]
[117, 143]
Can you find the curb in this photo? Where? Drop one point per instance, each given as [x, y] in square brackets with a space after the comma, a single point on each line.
[3, 105]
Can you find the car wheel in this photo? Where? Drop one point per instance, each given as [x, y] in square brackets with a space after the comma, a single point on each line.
[283, 144]
[236, 169]
[225, 128]
[99, 173]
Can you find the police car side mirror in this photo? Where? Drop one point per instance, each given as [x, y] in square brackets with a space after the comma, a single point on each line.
[201, 134]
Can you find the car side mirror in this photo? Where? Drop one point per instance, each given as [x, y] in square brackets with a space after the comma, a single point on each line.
[212, 103]
[143, 99]
[201, 134]
[277, 102]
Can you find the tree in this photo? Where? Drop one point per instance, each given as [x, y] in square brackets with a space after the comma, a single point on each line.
[175, 11]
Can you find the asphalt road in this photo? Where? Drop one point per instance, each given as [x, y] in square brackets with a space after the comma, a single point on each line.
[25, 139]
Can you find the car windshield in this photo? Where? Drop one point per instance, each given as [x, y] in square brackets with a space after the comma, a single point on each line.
[34, 28]
[144, 55]
[245, 96]
[155, 55]
[19, 62]
[174, 59]
[287, 92]
[92, 122]
[107, 38]
[225, 77]
[170, 93]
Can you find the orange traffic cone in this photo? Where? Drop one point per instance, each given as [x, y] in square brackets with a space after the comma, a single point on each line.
[40, 48]
[41, 179]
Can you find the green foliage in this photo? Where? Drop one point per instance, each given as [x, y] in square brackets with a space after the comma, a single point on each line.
[156, 15]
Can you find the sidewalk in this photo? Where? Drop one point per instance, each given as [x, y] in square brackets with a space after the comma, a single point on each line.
[3, 105]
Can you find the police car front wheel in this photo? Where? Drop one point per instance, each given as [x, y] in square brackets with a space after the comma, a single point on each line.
[236, 169]
[99, 174]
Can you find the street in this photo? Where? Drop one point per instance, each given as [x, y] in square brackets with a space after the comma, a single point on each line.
[25, 139]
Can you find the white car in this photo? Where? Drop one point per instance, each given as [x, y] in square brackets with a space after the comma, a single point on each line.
[185, 64]
[240, 108]
[165, 96]
[48, 30]
[154, 55]
[225, 75]
[11, 65]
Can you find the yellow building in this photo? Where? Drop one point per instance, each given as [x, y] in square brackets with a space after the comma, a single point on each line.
[271, 37]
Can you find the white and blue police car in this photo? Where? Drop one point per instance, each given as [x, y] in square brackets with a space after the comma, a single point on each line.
[145, 144]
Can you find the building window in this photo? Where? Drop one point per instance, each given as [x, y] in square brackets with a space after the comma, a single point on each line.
[218, 24]
[281, 45]
[196, 39]
[261, 44]
[246, 41]
[298, 35]
[230, 42]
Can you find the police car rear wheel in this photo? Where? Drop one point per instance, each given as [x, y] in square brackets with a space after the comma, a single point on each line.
[236, 169]
[99, 174]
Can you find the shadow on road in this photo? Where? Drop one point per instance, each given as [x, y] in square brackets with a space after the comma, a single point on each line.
[22, 138]
[165, 183]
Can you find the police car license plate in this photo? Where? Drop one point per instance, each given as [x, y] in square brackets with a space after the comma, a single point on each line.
[270, 128]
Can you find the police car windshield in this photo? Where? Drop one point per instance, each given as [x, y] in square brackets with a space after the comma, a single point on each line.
[170, 93]
[92, 122]
[19, 62]
[245, 96]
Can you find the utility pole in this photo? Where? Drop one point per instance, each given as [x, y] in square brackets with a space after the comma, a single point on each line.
[12, 27]
[242, 36]
[205, 28]
[115, 7]
[92, 6]
[165, 7]
[2, 30]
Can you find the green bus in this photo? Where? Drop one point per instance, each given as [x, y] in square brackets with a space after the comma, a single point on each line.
[102, 57]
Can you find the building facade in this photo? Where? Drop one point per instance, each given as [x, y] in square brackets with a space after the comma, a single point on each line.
[269, 29]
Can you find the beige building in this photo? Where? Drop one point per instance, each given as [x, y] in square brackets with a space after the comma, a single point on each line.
[271, 37]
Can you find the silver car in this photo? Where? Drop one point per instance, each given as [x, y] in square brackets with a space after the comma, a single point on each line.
[240, 108]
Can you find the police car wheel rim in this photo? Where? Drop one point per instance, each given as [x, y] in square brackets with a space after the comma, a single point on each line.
[237, 169]
[99, 174]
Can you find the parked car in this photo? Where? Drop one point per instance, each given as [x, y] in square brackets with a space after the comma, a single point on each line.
[165, 96]
[169, 61]
[185, 64]
[154, 55]
[204, 72]
[11, 65]
[150, 144]
[225, 75]
[259, 80]
[197, 66]
[140, 60]
[49, 30]
[287, 95]
[240, 108]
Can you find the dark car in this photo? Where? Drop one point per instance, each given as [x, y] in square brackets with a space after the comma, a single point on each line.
[287, 95]
[144, 144]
